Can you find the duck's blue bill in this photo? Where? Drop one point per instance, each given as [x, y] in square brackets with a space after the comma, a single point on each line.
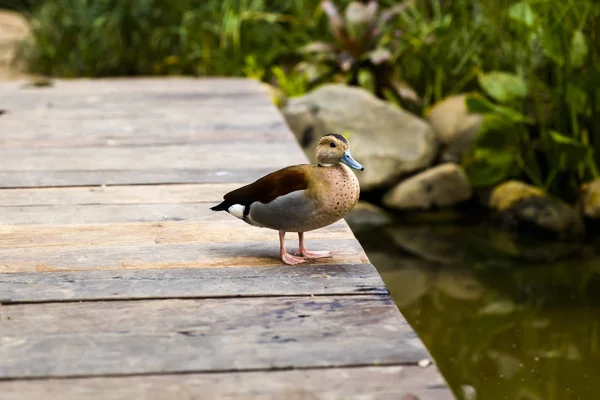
[351, 162]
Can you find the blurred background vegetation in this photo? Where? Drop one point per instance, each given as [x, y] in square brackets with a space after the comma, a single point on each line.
[531, 66]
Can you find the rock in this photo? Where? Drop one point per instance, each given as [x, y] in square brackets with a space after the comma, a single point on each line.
[388, 141]
[499, 248]
[308, 128]
[521, 206]
[439, 243]
[590, 199]
[14, 28]
[441, 186]
[407, 279]
[455, 125]
[366, 215]
[459, 284]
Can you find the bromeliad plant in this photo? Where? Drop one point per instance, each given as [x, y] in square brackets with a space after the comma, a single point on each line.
[361, 53]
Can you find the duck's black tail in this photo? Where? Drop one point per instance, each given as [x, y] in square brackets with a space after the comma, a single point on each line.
[223, 206]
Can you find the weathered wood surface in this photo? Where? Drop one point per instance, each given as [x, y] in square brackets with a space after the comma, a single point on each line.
[241, 154]
[24, 179]
[153, 194]
[117, 281]
[118, 234]
[168, 336]
[365, 383]
[350, 279]
[186, 255]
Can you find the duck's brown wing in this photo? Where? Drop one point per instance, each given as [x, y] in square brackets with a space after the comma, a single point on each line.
[267, 188]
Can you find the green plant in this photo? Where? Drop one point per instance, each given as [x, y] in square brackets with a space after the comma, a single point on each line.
[543, 121]
[153, 37]
[19, 5]
[291, 84]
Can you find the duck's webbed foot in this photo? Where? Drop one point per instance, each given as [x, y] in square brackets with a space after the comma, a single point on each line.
[313, 255]
[285, 256]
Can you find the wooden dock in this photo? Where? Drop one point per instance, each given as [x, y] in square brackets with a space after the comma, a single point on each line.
[118, 282]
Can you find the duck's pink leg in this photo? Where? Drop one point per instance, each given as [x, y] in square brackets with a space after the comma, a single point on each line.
[285, 257]
[309, 254]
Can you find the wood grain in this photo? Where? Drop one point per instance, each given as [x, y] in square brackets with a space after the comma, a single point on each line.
[157, 134]
[107, 214]
[204, 115]
[164, 256]
[239, 154]
[367, 383]
[229, 87]
[167, 336]
[27, 179]
[139, 194]
[44, 132]
[147, 234]
[349, 279]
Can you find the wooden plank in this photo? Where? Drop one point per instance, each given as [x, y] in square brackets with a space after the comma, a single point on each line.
[167, 336]
[213, 114]
[23, 179]
[89, 214]
[16, 125]
[156, 135]
[140, 194]
[239, 154]
[349, 279]
[167, 85]
[145, 234]
[165, 256]
[108, 213]
[26, 100]
[372, 383]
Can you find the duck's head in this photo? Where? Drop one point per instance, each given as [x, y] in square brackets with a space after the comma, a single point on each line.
[333, 149]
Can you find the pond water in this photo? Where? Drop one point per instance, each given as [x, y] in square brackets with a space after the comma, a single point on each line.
[504, 319]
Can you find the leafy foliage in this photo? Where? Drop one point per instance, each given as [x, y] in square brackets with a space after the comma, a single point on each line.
[556, 120]
[153, 37]
[19, 5]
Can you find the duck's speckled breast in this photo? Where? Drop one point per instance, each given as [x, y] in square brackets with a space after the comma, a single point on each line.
[337, 192]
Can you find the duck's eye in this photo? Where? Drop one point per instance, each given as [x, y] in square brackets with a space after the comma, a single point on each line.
[331, 144]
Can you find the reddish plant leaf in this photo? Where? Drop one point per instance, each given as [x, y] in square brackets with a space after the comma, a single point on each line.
[335, 20]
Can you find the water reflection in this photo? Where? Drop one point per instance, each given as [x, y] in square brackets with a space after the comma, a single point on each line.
[503, 318]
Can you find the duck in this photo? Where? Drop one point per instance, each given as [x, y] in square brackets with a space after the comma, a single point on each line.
[300, 198]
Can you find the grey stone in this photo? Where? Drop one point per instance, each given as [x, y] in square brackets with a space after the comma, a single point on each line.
[388, 141]
[365, 215]
[519, 205]
[443, 244]
[441, 186]
[459, 284]
[590, 199]
[408, 279]
[456, 127]
[306, 125]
